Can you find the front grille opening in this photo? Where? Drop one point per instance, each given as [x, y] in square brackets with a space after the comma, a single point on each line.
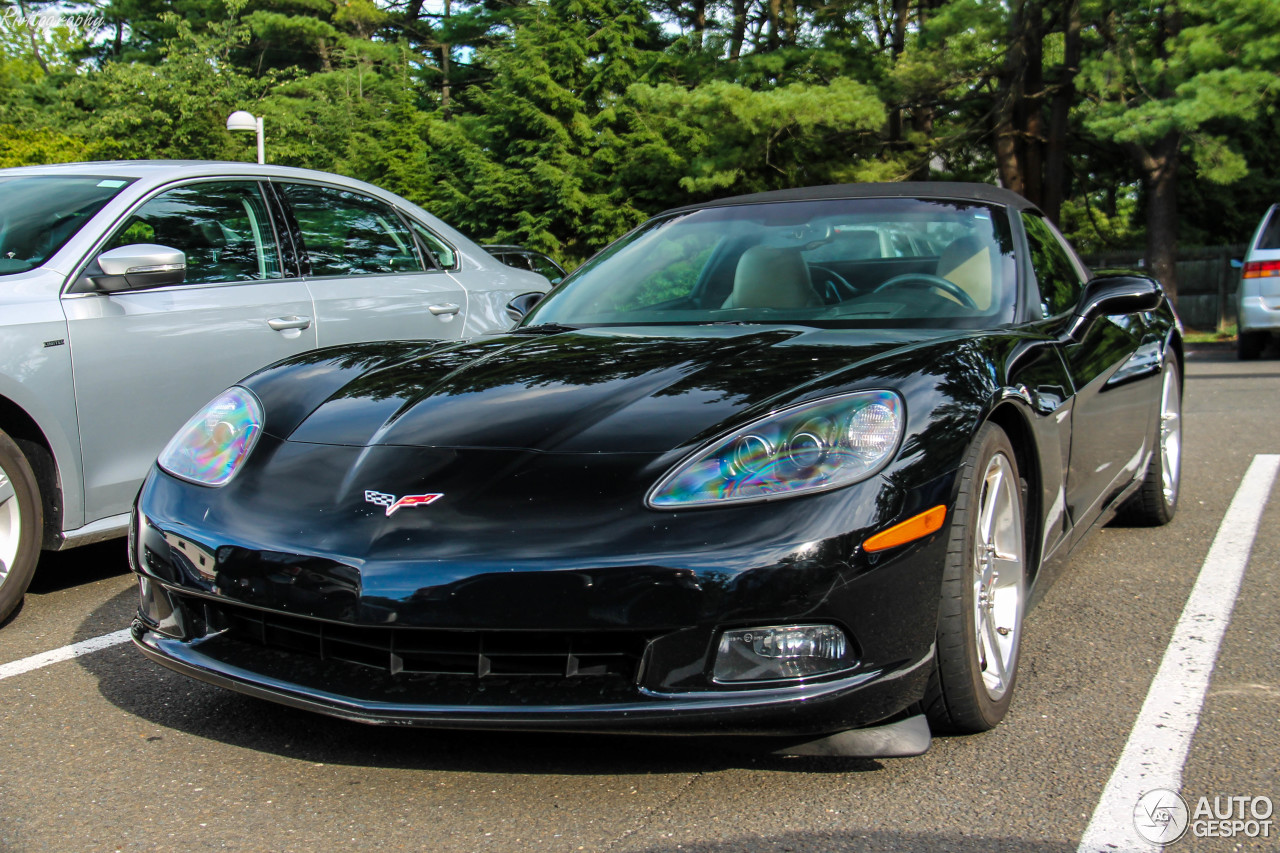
[430, 651]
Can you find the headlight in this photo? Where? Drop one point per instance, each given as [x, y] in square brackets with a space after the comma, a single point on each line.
[807, 448]
[211, 446]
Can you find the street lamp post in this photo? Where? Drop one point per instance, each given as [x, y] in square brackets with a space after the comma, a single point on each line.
[241, 120]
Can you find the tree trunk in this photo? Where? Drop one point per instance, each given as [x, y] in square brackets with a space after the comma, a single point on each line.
[1159, 165]
[1031, 110]
[1009, 97]
[1064, 95]
[739, 33]
[445, 55]
[699, 21]
[922, 115]
[775, 21]
[899, 43]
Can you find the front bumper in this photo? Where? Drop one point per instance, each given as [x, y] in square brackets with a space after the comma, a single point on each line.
[800, 710]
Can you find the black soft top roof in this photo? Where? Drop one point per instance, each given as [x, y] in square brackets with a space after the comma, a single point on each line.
[904, 189]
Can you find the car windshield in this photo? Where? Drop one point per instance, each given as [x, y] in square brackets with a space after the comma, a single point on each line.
[838, 263]
[40, 213]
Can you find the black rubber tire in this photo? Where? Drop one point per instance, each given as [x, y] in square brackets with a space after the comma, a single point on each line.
[14, 466]
[1249, 345]
[1149, 506]
[956, 700]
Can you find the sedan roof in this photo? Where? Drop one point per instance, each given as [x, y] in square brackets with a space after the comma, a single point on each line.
[903, 189]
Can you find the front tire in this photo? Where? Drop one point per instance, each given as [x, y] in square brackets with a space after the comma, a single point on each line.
[21, 525]
[1156, 500]
[983, 592]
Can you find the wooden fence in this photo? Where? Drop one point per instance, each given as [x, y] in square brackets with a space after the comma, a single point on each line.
[1207, 281]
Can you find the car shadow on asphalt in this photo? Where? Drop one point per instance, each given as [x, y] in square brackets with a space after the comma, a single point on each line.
[175, 702]
[59, 570]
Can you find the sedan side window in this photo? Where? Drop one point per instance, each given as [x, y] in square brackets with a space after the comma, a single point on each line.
[223, 228]
[543, 267]
[1060, 284]
[438, 250]
[350, 234]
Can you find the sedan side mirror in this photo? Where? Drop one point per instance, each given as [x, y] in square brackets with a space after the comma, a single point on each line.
[523, 304]
[1114, 293]
[140, 266]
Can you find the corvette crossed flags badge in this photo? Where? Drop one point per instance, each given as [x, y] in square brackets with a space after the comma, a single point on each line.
[392, 503]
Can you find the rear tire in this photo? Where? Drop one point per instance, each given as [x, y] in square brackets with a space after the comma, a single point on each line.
[21, 525]
[1249, 345]
[983, 592]
[1156, 500]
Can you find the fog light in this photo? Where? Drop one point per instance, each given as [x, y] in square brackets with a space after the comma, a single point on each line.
[781, 651]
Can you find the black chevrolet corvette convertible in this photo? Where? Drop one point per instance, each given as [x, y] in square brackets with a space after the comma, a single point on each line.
[792, 464]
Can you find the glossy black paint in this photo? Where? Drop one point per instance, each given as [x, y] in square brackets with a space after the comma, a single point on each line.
[544, 444]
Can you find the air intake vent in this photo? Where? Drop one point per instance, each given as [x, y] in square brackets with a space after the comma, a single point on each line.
[427, 651]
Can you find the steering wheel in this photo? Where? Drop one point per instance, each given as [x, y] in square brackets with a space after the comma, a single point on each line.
[832, 287]
[937, 282]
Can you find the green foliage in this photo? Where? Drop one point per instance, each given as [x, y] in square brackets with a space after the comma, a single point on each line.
[562, 123]
[37, 146]
[724, 137]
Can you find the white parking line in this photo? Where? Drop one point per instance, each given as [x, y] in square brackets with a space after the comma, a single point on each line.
[75, 650]
[1158, 745]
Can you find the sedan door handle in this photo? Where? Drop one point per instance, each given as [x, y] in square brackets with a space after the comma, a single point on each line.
[293, 321]
[445, 308]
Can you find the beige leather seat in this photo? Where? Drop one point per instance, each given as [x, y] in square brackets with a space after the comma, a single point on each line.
[969, 263]
[771, 278]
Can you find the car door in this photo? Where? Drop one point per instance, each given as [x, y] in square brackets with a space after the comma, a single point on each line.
[1116, 380]
[144, 361]
[367, 275]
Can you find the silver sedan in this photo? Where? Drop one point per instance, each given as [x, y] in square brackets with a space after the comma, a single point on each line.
[133, 292]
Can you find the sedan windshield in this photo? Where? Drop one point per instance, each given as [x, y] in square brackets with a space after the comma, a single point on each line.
[40, 213]
[838, 263]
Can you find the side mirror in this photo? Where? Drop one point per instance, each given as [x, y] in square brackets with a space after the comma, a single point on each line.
[138, 267]
[1236, 263]
[523, 304]
[1114, 293]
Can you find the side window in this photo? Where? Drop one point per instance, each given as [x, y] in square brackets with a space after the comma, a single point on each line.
[1060, 284]
[438, 250]
[544, 267]
[346, 233]
[223, 229]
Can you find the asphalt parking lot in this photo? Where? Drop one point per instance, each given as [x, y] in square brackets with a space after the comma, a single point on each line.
[107, 751]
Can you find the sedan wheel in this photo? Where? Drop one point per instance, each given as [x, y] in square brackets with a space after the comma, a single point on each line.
[1156, 500]
[983, 592]
[21, 523]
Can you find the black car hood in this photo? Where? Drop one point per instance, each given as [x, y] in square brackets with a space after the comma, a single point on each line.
[643, 390]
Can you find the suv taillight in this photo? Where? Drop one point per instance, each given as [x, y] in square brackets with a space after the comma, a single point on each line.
[1261, 269]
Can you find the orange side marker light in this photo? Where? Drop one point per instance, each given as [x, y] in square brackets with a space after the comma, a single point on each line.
[908, 531]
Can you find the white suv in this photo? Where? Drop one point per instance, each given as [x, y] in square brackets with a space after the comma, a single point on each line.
[132, 293]
[1258, 306]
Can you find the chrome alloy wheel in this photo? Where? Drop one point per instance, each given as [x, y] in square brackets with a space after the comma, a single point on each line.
[10, 525]
[998, 575]
[1170, 436]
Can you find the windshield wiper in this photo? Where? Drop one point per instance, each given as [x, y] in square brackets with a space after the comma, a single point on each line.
[544, 329]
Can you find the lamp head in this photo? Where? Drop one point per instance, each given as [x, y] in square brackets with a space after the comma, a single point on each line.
[241, 120]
